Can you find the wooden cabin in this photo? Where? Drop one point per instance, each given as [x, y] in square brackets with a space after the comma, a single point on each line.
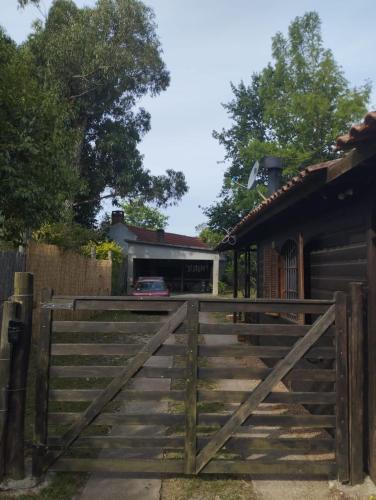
[316, 235]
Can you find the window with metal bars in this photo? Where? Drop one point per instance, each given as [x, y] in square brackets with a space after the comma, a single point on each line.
[289, 275]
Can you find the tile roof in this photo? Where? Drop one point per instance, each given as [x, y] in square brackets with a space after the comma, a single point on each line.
[359, 134]
[171, 239]
[293, 183]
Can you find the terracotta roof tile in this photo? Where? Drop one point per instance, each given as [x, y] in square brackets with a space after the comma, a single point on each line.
[172, 239]
[359, 133]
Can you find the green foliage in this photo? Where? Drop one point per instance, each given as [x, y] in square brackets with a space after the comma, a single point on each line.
[137, 213]
[208, 236]
[102, 249]
[102, 60]
[36, 177]
[294, 108]
[73, 236]
[69, 236]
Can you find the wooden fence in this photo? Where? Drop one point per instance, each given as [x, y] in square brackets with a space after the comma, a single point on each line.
[67, 273]
[264, 430]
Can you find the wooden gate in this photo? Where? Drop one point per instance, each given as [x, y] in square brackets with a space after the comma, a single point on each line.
[274, 406]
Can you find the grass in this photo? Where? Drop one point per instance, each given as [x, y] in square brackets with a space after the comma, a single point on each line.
[213, 488]
[62, 486]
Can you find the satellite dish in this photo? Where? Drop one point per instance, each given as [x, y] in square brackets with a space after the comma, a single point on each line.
[253, 175]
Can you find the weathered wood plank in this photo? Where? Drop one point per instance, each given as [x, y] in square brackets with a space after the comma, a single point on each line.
[267, 307]
[91, 371]
[342, 426]
[356, 383]
[122, 378]
[105, 327]
[43, 345]
[225, 350]
[203, 395]
[191, 387]
[253, 467]
[265, 387]
[264, 420]
[244, 443]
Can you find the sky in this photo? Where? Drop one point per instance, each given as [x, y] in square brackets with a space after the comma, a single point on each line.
[207, 44]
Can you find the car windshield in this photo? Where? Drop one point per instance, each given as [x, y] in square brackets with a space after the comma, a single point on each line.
[150, 286]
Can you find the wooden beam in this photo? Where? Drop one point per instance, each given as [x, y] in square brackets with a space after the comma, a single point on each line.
[15, 452]
[9, 313]
[356, 380]
[43, 348]
[342, 385]
[265, 387]
[191, 387]
[371, 338]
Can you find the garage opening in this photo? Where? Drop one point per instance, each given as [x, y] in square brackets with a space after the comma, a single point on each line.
[183, 276]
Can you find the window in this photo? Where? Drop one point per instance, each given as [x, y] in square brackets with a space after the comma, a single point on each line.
[289, 270]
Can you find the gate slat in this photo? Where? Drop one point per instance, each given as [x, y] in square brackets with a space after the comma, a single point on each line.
[117, 383]
[99, 371]
[254, 467]
[265, 387]
[203, 395]
[228, 350]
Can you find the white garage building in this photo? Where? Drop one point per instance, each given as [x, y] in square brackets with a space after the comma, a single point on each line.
[185, 262]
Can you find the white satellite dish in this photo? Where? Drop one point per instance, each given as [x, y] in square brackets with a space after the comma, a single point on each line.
[253, 175]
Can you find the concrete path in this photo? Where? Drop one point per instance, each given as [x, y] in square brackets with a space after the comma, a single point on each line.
[113, 487]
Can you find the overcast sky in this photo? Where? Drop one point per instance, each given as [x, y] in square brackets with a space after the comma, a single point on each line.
[207, 44]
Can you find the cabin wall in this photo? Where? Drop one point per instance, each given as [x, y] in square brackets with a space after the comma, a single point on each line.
[335, 252]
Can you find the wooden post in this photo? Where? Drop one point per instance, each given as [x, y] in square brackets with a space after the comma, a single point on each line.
[191, 387]
[9, 313]
[93, 253]
[342, 416]
[371, 340]
[23, 296]
[235, 282]
[356, 383]
[43, 345]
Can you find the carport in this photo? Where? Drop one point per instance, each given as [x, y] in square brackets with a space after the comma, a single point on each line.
[186, 263]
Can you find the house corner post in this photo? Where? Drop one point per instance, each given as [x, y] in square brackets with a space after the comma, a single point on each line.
[342, 386]
[356, 383]
[21, 343]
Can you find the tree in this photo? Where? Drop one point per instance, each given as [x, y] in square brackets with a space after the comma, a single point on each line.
[137, 213]
[208, 236]
[294, 108]
[36, 141]
[102, 60]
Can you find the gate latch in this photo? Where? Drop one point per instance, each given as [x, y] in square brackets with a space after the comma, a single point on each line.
[15, 329]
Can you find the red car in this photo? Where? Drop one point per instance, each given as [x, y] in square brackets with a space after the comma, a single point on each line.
[150, 286]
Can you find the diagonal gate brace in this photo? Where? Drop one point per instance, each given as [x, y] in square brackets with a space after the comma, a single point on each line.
[118, 382]
[264, 388]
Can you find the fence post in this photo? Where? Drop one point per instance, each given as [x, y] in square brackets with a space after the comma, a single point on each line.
[191, 387]
[23, 297]
[43, 344]
[342, 415]
[356, 383]
[9, 313]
